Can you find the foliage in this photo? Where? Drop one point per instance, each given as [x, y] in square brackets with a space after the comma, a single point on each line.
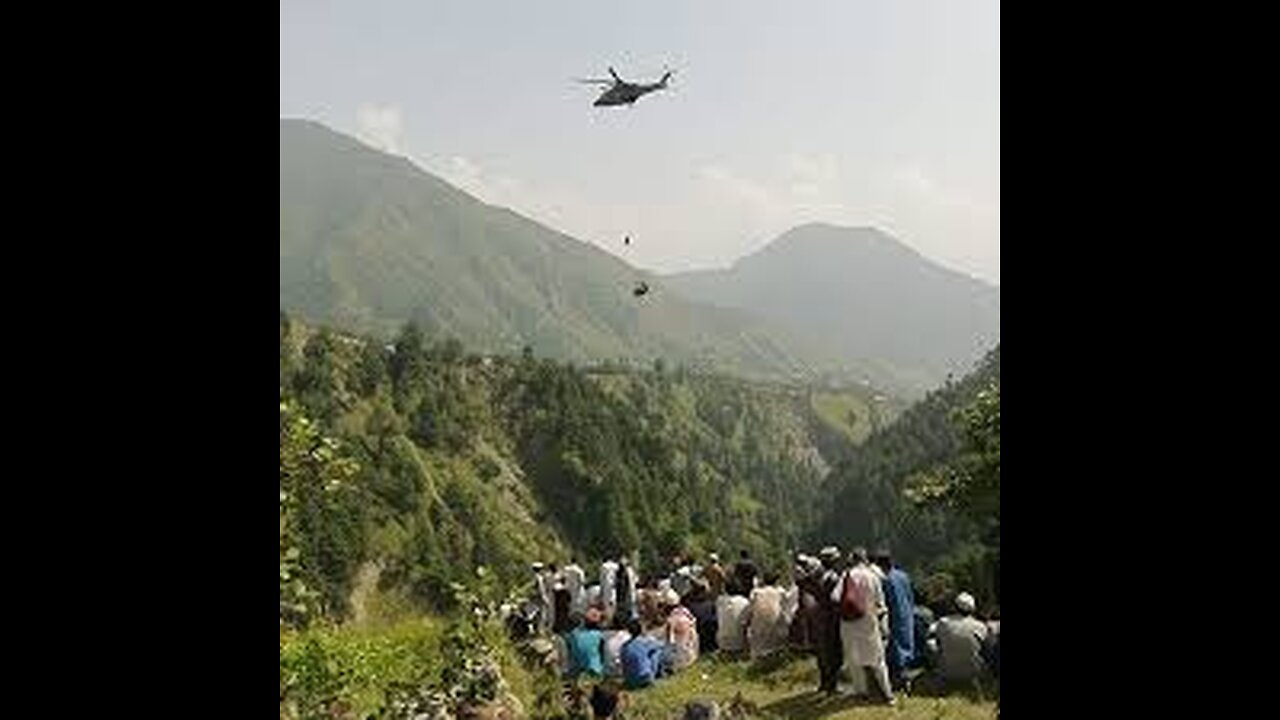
[497, 461]
[971, 481]
[312, 473]
[326, 669]
[880, 486]
[471, 667]
[467, 461]
[407, 668]
[645, 461]
[969, 484]
[433, 463]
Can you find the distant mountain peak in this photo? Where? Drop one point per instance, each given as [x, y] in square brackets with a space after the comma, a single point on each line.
[826, 238]
[863, 292]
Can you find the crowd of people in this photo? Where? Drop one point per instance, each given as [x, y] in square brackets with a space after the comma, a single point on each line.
[856, 612]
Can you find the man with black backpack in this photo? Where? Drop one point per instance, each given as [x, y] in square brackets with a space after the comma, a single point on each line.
[861, 602]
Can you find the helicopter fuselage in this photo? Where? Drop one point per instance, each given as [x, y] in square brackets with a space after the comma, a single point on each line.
[625, 94]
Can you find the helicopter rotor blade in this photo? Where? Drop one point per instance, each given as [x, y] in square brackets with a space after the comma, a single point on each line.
[594, 81]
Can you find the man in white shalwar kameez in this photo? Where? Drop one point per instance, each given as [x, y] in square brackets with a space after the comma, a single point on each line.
[542, 588]
[862, 640]
[609, 587]
[575, 581]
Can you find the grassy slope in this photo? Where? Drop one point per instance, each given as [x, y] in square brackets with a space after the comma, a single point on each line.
[786, 692]
[834, 408]
[369, 657]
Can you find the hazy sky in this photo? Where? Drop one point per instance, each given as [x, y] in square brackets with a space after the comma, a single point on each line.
[880, 112]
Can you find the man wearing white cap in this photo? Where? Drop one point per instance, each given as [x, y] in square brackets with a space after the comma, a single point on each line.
[861, 602]
[681, 631]
[827, 621]
[714, 575]
[960, 640]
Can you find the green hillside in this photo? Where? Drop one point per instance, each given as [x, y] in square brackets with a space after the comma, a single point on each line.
[855, 412]
[418, 480]
[369, 242]
[869, 503]
[467, 460]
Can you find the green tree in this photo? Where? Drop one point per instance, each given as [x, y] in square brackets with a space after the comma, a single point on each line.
[288, 366]
[319, 381]
[310, 466]
[372, 369]
[971, 482]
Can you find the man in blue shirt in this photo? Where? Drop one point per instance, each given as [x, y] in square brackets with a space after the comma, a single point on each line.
[898, 597]
[642, 658]
[586, 643]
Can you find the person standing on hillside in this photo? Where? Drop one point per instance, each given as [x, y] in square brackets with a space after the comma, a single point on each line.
[803, 627]
[542, 588]
[745, 573]
[609, 587]
[559, 602]
[575, 581]
[861, 600]
[901, 605]
[826, 624]
[714, 575]
[627, 589]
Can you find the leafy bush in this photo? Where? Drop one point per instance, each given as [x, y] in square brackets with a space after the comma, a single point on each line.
[326, 671]
[406, 669]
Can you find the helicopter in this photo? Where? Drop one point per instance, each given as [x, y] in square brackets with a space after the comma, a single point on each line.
[621, 92]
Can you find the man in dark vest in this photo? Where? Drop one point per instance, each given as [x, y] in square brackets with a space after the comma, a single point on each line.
[827, 627]
[627, 589]
[744, 573]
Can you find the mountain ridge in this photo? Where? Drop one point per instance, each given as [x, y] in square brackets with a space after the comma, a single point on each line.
[864, 293]
[370, 241]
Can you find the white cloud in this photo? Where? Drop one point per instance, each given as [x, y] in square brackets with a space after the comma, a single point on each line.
[380, 126]
[953, 227]
[555, 208]
[810, 177]
[915, 181]
[724, 184]
[800, 189]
